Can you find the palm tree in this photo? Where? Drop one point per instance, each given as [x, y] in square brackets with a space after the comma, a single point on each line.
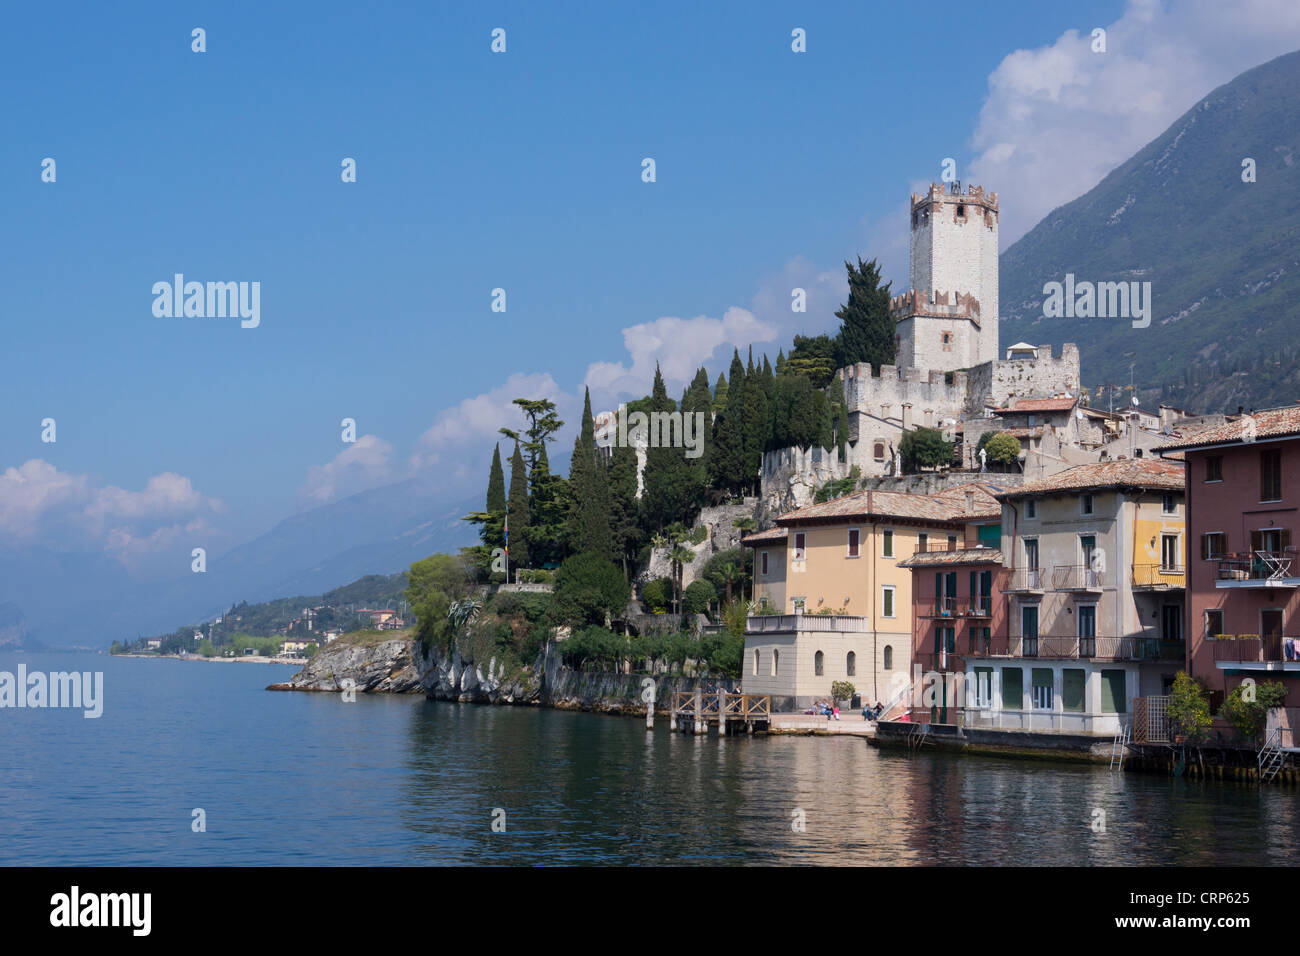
[461, 614]
[680, 555]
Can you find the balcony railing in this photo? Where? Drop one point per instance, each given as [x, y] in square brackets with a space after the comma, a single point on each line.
[1143, 647]
[789, 623]
[1077, 577]
[1025, 579]
[1253, 649]
[954, 607]
[938, 547]
[1159, 577]
[1262, 566]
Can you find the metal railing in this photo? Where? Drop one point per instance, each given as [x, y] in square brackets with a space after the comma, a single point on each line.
[1025, 579]
[1159, 576]
[1139, 647]
[1077, 577]
[1262, 565]
[1256, 649]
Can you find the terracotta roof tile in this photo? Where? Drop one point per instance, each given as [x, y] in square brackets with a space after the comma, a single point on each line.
[1270, 423]
[1042, 405]
[1130, 472]
[980, 555]
[948, 505]
[765, 537]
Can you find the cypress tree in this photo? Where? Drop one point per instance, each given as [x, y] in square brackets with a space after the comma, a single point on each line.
[548, 509]
[866, 327]
[496, 502]
[624, 529]
[666, 495]
[720, 393]
[517, 511]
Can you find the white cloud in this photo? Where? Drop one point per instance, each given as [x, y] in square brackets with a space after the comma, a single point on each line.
[41, 505]
[1058, 118]
[362, 464]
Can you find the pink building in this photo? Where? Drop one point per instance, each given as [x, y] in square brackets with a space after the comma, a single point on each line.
[1243, 580]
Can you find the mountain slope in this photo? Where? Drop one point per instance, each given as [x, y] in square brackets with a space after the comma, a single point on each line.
[1221, 255]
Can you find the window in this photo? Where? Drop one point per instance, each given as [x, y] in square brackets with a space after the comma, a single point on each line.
[1073, 682]
[1213, 544]
[1087, 630]
[800, 539]
[1029, 629]
[1270, 475]
[1041, 678]
[889, 658]
[1169, 552]
[851, 665]
[1013, 688]
[853, 542]
[983, 688]
[887, 543]
[1085, 504]
[1031, 508]
[922, 541]
[878, 451]
[755, 670]
[776, 661]
[952, 542]
[1213, 623]
[961, 210]
[887, 601]
[1031, 561]
[946, 338]
[1214, 468]
[1113, 698]
[818, 663]
[1169, 504]
[1171, 622]
[763, 560]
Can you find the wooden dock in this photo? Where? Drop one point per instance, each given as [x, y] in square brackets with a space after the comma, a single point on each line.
[693, 712]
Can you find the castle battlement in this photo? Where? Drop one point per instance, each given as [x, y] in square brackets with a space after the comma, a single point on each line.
[945, 305]
[937, 194]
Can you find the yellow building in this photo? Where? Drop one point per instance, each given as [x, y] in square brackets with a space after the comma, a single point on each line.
[834, 604]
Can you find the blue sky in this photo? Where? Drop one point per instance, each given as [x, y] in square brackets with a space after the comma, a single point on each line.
[475, 171]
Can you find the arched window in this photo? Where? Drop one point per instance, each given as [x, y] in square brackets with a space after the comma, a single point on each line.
[756, 662]
[776, 660]
[878, 451]
[889, 658]
[852, 666]
[818, 663]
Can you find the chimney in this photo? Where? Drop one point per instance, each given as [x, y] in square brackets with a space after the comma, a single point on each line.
[907, 416]
[970, 501]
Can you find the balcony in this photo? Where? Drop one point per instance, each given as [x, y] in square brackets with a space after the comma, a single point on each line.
[1159, 577]
[1141, 647]
[1077, 577]
[1269, 652]
[1258, 569]
[954, 608]
[1024, 581]
[791, 623]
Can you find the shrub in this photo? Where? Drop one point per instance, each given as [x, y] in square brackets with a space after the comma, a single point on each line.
[924, 448]
[657, 595]
[843, 690]
[1248, 717]
[699, 596]
[1001, 448]
[588, 591]
[1188, 708]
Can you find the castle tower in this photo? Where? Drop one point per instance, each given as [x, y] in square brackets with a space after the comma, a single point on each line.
[949, 317]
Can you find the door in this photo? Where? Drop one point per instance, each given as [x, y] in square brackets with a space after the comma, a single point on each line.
[1087, 545]
[1088, 630]
[1270, 633]
[1031, 562]
[1029, 629]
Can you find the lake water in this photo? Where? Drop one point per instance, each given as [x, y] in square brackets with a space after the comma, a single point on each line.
[289, 778]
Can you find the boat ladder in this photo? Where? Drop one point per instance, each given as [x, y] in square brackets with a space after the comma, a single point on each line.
[1270, 757]
[1120, 746]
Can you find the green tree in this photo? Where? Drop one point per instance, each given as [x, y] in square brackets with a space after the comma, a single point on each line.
[433, 584]
[720, 393]
[924, 448]
[492, 518]
[517, 511]
[812, 358]
[1188, 708]
[588, 526]
[727, 463]
[699, 597]
[1000, 448]
[1249, 717]
[671, 488]
[589, 590]
[624, 512]
[548, 509]
[657, 595]
[866, 325]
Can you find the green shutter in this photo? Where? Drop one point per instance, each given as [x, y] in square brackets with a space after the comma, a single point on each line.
[1112, 693]
[1013, 688]
[1073, 682]
[990, 535]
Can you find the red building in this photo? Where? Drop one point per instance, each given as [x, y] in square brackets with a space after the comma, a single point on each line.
[1243, 576]
[954, 615]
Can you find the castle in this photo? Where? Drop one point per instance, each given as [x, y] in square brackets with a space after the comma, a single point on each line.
[949, 369]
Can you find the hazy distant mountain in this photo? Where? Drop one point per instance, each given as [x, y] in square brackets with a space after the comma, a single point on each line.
[88, 599]
[1221, 254]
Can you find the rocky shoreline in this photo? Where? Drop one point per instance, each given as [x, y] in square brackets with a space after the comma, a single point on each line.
[400, 666]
